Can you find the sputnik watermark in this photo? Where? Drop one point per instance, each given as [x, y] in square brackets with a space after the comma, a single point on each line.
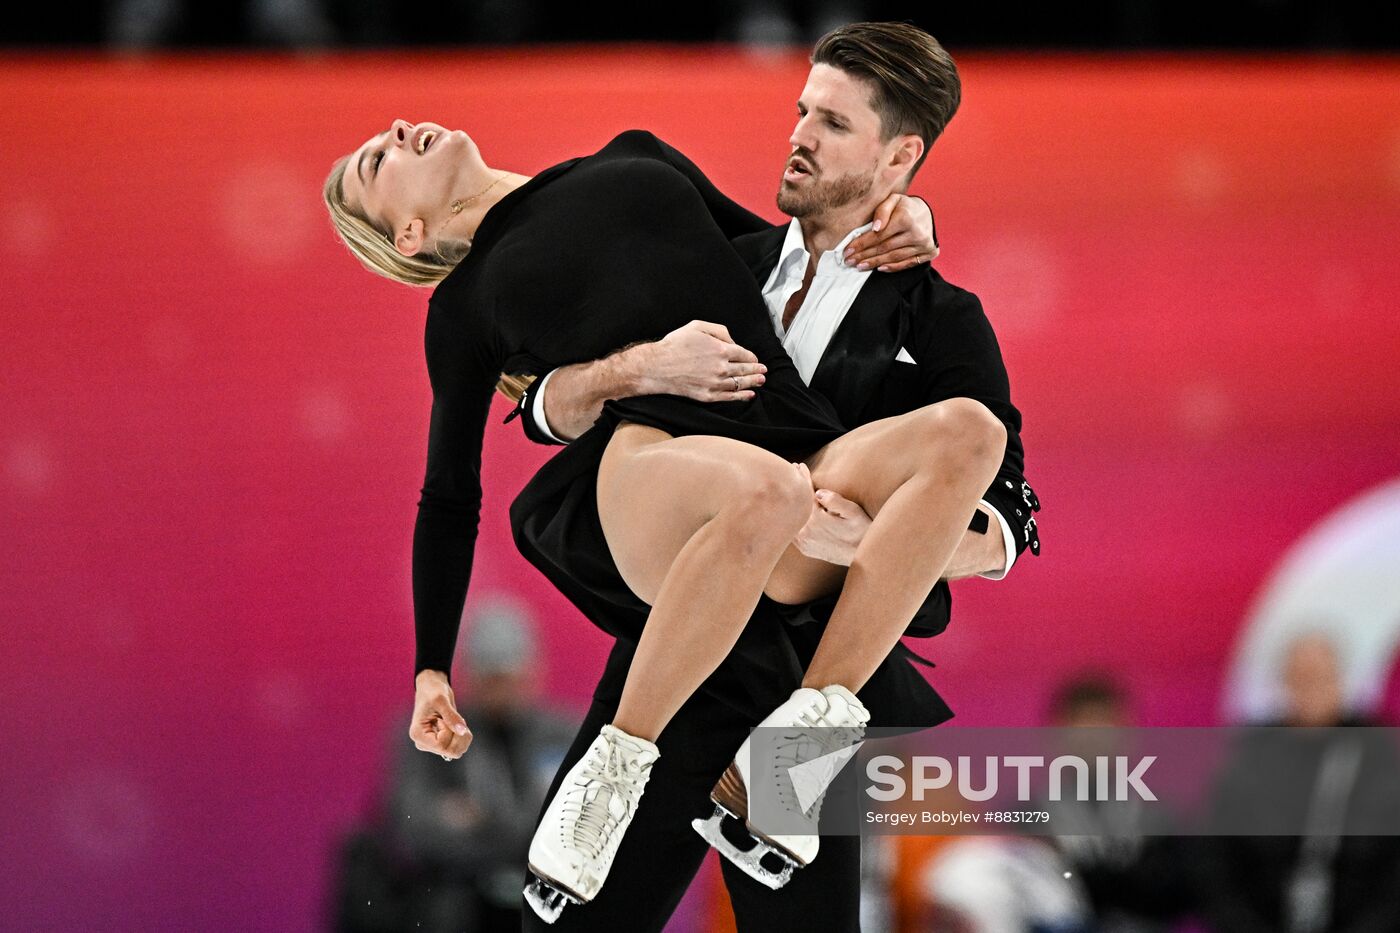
[948, 817]
[1261, 781]
[1114, 778]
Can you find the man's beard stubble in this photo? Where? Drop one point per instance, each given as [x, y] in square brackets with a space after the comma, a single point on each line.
[823, 196]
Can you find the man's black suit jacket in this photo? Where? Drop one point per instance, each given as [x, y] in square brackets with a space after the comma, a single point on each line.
[955, 352]
[943, 328]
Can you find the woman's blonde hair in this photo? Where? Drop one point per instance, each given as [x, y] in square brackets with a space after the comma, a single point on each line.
[374, 246]
[375, 250]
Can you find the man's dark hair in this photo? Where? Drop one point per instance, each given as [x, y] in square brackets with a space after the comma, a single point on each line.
[916, 84]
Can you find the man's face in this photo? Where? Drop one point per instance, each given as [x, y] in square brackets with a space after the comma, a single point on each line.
[836, 145]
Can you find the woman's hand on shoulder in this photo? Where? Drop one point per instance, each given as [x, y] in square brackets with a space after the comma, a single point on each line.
[437, 727]
[902, 236]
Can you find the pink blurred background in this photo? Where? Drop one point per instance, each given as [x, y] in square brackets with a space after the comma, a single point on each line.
[213, 424]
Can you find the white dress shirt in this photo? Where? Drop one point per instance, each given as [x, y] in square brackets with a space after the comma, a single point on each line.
[834, 288]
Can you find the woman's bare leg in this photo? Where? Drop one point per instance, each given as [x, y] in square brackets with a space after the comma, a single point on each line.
[919, 476]
[696, 526]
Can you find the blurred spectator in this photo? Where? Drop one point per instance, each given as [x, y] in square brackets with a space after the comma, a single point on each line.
[1180, 24]
[1134, 875]
[1312, 684]
[788, 22]
[1333, 880]
[1002, 884]
[147, 24]
[1388, 710]
[451, 22]
[457, 832]
[983, 884]
[1090, 700]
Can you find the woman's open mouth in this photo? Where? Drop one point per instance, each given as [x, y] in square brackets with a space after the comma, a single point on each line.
[425, 139]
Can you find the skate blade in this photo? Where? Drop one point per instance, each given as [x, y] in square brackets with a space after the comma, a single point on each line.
[547, 899]
[747, 861]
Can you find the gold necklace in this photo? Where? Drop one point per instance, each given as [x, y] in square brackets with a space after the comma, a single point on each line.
[460, 205]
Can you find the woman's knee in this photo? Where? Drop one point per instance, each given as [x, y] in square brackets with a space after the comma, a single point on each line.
[962, 430]
[770, 496]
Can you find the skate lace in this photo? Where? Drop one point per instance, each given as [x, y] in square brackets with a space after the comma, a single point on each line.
[596, 822]
[818, 742]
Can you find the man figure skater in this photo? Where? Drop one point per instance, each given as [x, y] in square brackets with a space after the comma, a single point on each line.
[877, 346]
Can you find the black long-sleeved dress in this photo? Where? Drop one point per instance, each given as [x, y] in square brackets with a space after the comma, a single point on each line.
[624, 245]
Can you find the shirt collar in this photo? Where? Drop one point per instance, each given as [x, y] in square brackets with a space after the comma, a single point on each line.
[793, 255]
[841, 247]
[794, 249]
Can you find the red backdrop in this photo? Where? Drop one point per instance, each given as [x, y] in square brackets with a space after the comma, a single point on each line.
[213, 423]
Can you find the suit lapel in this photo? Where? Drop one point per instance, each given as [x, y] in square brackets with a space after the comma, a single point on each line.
[863, 347]
[760, 251]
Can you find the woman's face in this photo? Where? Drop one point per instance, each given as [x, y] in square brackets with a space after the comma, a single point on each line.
[404, 178]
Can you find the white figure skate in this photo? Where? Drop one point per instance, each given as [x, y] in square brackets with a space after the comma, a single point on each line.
[578, 836]
[826, 727]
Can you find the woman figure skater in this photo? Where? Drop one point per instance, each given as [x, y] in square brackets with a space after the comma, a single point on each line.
[695, 504]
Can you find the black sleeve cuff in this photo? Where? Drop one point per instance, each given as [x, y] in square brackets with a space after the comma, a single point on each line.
[525, 411]
[1013, 497]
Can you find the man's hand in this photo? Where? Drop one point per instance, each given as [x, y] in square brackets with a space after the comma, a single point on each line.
[835, 529]
[437, 727]
[837, 526]
[901, 238]
[699, 361]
